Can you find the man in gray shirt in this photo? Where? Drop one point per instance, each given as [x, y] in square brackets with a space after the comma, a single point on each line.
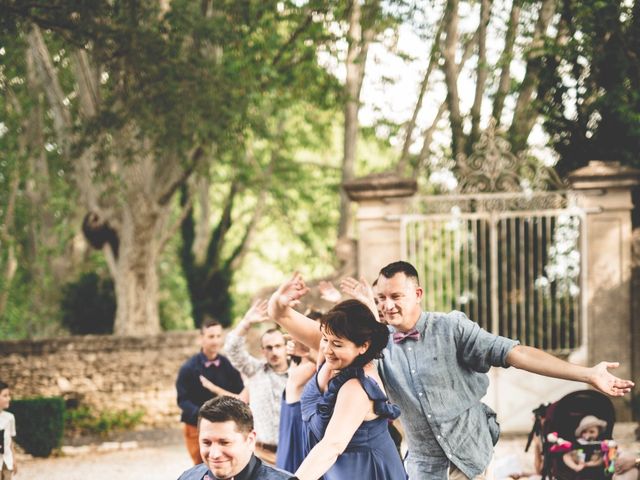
[434, 368]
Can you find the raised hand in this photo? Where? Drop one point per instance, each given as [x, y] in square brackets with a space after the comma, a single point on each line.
[328, 292]
[287, 295]
[257, 313]
[607, 383]
[362, 291]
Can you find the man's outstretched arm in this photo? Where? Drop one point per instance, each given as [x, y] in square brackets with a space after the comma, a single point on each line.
[537, 361]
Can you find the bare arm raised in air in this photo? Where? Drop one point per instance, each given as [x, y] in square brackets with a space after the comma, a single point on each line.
[281, 311]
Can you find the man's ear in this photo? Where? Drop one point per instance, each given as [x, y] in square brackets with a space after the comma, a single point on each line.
[419, 293]
[251, 438]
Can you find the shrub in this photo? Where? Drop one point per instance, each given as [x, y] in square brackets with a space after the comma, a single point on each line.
[82, 421]
[89, 305]
[39, 424]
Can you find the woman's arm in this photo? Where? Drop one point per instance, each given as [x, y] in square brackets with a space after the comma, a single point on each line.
[352, 406]
[280, 310]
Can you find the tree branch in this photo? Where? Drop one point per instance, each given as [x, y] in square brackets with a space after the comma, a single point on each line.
[482, 70]
[7, 239]
[428, 134]
[506, 57]
[220, 232]
[451, 77]
[87, 81]
[196, 156]
[411, 125]
[51, 85]
[525, 113]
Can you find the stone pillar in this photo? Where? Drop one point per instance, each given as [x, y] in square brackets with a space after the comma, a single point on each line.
[603, 189]
[381, 198]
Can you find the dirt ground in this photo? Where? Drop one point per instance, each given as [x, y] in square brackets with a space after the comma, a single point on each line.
[162, 456]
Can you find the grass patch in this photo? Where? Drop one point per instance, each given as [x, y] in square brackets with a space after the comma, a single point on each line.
[84, 421]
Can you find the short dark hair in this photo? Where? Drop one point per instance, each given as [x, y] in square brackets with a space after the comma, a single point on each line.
[3, 385]
[209, 322]
[354, 321]
[227, 409]
[400, 267]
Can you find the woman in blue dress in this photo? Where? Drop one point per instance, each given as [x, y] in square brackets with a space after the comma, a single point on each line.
[344, 408]
[291, 442]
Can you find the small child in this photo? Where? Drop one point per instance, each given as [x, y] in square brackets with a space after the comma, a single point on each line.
[7, 432]
[589, 430]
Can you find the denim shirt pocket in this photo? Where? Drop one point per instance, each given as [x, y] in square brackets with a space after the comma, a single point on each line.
[492, 423]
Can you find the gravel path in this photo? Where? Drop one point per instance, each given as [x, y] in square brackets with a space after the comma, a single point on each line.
[157, 463]
[166, 462]
[169, 459]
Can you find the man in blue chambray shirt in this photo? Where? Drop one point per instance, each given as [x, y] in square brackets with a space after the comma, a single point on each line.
[435, 369]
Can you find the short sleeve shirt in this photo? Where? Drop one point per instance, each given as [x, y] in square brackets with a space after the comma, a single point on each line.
[8, 428]
[438, 381]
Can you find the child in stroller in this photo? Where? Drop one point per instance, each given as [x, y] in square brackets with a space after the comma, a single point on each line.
[589, 430]
[556, 427]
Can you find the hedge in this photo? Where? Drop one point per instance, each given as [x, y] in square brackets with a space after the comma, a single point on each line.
[39, 424]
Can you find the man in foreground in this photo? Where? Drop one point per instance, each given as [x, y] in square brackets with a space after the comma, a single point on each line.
[266, 377]
[227, 442]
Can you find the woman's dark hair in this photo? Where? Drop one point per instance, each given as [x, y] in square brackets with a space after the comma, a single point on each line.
[354, 321]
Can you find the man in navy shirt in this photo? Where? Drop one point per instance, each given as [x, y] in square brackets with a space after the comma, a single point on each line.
[203, 376]
[227, 442]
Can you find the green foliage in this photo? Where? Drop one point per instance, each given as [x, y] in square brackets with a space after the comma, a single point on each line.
[39, 424]
[84, 421]
[88, 305]
[590, 91]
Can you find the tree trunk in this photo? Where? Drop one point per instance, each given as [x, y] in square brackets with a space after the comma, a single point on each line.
[505, 61]
[481, 77]
[403, 163]
[351, 107]
[525, 114]
[135, 276]
[451, 77]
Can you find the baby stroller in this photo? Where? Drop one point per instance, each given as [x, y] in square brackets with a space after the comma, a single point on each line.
[555, 425]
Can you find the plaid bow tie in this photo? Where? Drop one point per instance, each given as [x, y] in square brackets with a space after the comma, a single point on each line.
[215, 362]
[399, 337]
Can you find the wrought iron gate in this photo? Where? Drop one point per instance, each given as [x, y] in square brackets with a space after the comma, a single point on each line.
[507, 252]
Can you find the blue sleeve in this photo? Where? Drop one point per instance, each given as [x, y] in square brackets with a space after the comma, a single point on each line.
[189, 408]
[236, 381]
[478, 349]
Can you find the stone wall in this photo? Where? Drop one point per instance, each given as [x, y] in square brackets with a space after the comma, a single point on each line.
[107, 373]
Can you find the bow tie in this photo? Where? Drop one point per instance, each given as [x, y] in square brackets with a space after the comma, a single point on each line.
[215, 362]
[399, 337]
